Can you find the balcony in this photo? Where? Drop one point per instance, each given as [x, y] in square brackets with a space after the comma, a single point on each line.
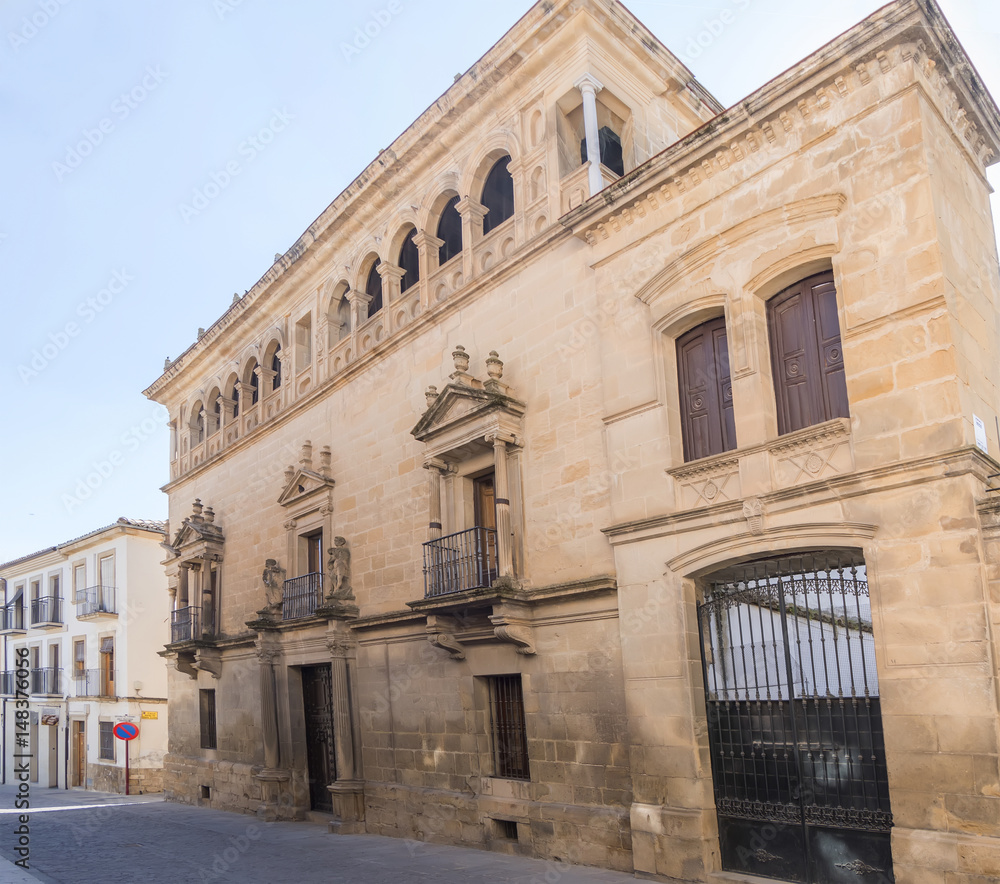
[8, 684]
[47, 611]
[94, 683]
[12, 619]
[185, 624]
[461, 561]
[95, 603]
[302, 596]
[46, 681]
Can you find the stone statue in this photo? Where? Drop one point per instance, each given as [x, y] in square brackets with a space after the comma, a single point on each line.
[339, 570]
[274, 579]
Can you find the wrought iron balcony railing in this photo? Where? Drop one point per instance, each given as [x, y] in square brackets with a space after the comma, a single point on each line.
[46, 681]
[301, 596]
[47, 609]
[185, 624]
[465, 560]
[94, 683]
[12, 618]
[95, 600]
[8, 684]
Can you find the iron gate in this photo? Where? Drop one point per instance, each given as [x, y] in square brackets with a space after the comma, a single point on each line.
[795, 726]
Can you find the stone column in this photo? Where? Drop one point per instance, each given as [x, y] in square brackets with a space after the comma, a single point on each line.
[359, 302]
[435, 469]
[472, 214]
[589, 87]
[505, 546]
[391, 278]
[427, 247]
[269, 708]
[183, 599]
[347, 792]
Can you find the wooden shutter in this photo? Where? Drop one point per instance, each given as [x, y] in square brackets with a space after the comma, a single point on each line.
[806, 354]
[706, 391]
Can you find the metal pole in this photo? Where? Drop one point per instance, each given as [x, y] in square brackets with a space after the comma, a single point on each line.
[127, 744]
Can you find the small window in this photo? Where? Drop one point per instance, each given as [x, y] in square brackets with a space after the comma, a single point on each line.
[373, 287]
[449, 230]
[611, 150]
[79, 580]
[206, 700]
[107, 752]
[507, 728]
[807, 358]
[706, 391]
[498, 195]
[409, 262]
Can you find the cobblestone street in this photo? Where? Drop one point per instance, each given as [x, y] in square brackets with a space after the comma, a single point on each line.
[81, 837]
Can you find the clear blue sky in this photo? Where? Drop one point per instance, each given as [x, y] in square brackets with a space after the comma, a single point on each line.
[97, 238]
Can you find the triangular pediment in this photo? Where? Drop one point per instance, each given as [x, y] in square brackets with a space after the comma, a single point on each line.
[197, 532]
[460, 404]
[304, 484]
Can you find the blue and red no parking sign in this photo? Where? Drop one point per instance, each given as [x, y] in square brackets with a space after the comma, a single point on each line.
[125, 730]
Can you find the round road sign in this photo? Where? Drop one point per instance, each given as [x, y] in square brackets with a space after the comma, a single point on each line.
[125, 730]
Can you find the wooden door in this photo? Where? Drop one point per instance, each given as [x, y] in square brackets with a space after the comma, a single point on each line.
[317, 695]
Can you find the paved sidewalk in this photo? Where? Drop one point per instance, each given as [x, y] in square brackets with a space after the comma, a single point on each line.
[81, 837]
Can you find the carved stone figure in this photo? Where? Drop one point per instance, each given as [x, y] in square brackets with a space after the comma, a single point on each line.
[339, 570]
[274, 579]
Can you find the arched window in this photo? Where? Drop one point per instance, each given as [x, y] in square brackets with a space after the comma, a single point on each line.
[217, 409]
[198, 422]
[235, 396]
[374, 288]
[409, 261]
[807, 357]
[498, 195]
[706, 391]
[276, 368]
[450, 230]
[254, 387]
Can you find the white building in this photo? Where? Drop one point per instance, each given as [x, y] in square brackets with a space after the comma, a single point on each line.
[86, 617]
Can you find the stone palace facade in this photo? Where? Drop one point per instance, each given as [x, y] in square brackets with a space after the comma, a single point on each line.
[611, 477]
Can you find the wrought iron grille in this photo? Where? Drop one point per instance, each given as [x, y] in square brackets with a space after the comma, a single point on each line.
[795, 725]
[45, 681]
[206, 713]
[12, 617]
[95, 600]
[94, 683]
[510, 740]
[302, 596]
[185, 624]
[107, 734]
[47, 609]
[460, 561]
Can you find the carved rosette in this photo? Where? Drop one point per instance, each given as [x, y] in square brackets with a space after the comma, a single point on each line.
[813, 453]
[711, 481]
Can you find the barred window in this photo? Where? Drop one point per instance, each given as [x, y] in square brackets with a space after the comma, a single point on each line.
[107, 740]
[510, 741]
[207, 714]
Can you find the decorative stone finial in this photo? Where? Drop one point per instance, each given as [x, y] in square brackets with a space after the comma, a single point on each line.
[277, 257]
[461, 359]
[201, 333]
[494, 367]
[196, 509]
[431, 394]
[236, 297]
[209, 514]
[324, 460]
[289, 472]
[306, 458]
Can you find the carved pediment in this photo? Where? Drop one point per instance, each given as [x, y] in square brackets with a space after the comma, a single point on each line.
[198, 534]
[303, 484]
[460, 405]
